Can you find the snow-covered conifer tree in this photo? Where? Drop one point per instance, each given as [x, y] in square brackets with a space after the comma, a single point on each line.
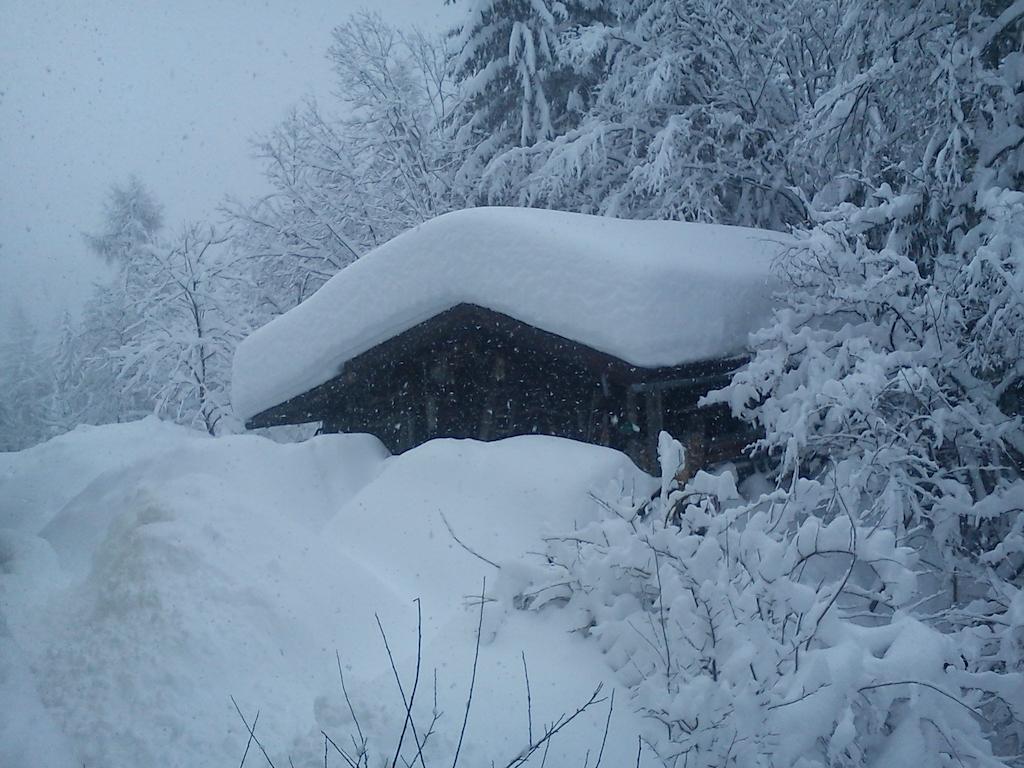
[132, 218]
[24, 383]
[132, 224]
[505, 52]
[691, 108]
[515, 88]
[66, 403]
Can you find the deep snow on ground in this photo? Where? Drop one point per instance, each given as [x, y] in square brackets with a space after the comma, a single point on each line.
[148, 574]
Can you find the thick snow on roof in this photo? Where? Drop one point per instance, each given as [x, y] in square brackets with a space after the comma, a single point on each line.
[651, 293]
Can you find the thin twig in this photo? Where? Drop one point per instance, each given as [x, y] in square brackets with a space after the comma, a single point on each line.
[802, 697]
[408, 722]
[549, 732]
[348, 701]
[340, 751]
[529, 700]
[462, 544]
[472, 679]
[415, 685]
[952, 749]
[935, 688]
[252, 732]
[249, 742]
[607, 724]
[661, 618]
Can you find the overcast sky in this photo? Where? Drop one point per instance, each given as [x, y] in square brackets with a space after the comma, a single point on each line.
[95, 90]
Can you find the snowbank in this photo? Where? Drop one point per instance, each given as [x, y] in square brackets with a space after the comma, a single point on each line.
[652, 293]
[39, 481]
[167, 572]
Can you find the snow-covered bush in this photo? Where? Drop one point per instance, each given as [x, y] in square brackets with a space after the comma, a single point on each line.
[777, 632]
[893, 376]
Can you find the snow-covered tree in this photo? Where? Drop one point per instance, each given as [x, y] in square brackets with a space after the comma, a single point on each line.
[132, 218]
[24, 382]
[131, 227]
[158, 337]
[515, 87]
[105, 326]
[396, 94]
[344, 184]
[506, 50]
[180, 351]
[66, 403]
[893, 372]
[299, 235]
[902, 333]
[749, 111]
[690, 112]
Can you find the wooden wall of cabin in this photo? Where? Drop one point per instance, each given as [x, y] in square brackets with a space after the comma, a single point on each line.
[483, 385]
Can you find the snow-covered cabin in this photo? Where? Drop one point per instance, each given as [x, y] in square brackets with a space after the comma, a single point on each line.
[493, 322]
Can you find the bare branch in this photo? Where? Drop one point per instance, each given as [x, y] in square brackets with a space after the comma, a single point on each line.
[472, 679]
[558, 725]
[529, 700]
[462, 544]
[252, 732]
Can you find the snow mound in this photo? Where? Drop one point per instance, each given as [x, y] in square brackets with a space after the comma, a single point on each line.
[39, 481]
[651, 293]
[141, 594]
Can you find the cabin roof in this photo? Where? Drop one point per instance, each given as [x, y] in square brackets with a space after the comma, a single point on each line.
[650, 293]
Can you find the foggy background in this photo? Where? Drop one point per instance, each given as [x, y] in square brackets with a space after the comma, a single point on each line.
[91, 92]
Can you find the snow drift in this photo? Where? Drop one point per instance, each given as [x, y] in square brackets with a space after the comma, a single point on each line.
[148, 574]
